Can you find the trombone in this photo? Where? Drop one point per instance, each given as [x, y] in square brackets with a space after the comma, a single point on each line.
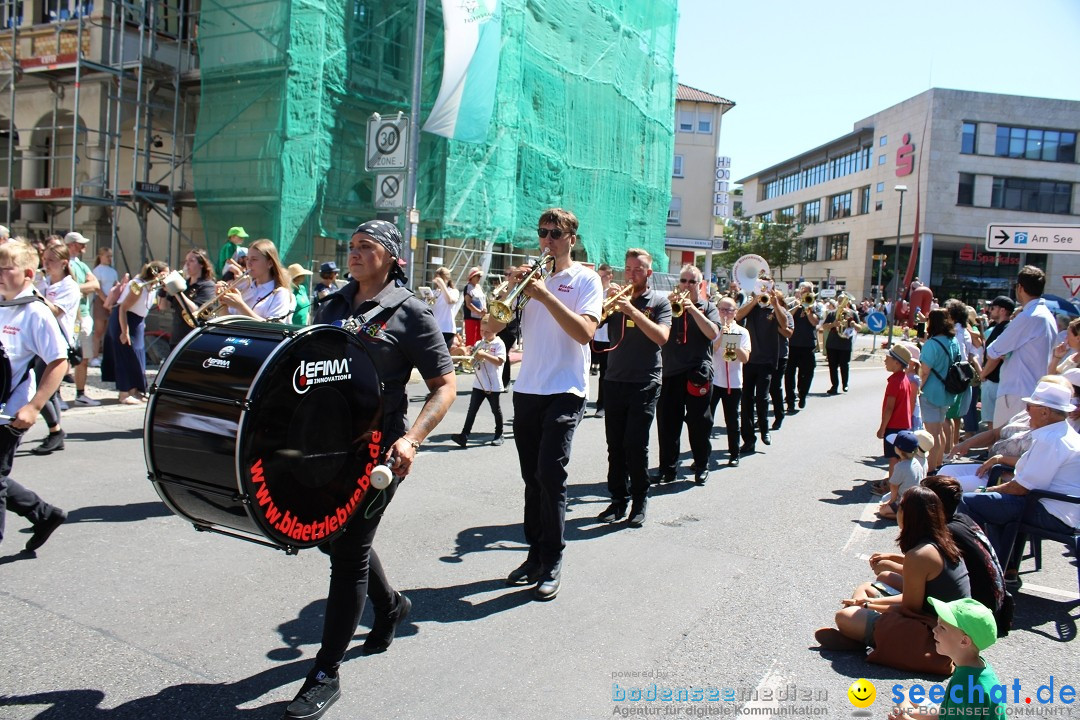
[678, 300]
[502, 310]
[611, 304]
[136, 287]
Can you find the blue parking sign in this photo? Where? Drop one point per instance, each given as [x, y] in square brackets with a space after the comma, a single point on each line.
[1020, 238]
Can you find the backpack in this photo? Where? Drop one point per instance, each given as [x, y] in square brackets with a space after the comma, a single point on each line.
[959, 375]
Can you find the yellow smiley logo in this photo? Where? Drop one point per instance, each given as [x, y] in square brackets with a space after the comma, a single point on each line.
[862, 693]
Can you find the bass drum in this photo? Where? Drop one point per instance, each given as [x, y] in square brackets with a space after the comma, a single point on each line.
[267, 430]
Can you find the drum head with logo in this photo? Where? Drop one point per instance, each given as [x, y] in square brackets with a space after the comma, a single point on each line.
[310, 436]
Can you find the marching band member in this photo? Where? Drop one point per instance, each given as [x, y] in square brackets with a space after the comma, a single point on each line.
[123, 359]
[199, 274]
[684, 393]
[488, 357]
[766, 319]
[268, 296]
[637, 330]
[730, 351]
[600, 344]
[549, 395]
[400, 334]
[802, 360]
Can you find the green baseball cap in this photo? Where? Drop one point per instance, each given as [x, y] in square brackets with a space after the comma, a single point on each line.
[972, 617]
[237, 231]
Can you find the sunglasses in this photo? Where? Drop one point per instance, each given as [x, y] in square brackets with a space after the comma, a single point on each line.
[684, 281]
[555, 233]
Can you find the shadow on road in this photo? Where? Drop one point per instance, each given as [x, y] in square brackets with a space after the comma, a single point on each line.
[119, 513]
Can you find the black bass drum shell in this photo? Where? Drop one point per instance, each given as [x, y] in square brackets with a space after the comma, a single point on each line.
[265, 429]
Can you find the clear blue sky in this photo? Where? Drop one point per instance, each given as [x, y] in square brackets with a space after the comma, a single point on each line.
[803, 73]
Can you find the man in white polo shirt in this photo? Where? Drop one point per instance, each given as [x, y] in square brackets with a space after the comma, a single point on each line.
[1024, 347]
[549, 396]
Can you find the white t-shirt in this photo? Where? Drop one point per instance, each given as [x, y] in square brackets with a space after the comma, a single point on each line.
[444, 312]
[488, 377]
[729, 374]
[65, 294]
[477, 294]
[142, 305]
[277, 305]
[553, 362]
[28, 331]
[107, 277]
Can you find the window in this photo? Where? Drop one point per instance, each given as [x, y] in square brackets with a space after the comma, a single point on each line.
[765, 217]
[881, 187]
[878, 205]
[840, 206]
[1043, 196]
[677, 170]
[786, 215]
[1035, 144]
[847, 164]
[674, 211]
[968, 137]
[836, 247]
[965, 191]
[809, 250]
[59, 10]
[811, 212]
[864, 200]
[883, 141]
[686, 121]
[704, 122]
[881, 159]
[12, 14]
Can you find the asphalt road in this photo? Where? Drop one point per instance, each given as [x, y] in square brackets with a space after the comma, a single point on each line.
[129, 613]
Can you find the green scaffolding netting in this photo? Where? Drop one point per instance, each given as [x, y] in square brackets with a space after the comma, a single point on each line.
[583, 120]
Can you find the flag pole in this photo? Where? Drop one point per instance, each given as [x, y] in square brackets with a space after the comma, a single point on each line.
[412, 216]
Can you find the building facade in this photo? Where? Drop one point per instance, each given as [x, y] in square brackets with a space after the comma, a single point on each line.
[965, 159]
[691, 222]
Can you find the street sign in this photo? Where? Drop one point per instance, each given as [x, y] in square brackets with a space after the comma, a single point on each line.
[880, 257]
[876, 321]
[389, 191]
[827, 293]
[1033, 238]
[1073, 283]
[387, 143]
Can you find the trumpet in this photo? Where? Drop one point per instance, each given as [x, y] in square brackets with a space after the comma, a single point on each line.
[502, 310]
[679, 299]
[498, 292]
[212, 307]
[611, 304]
[136, 287]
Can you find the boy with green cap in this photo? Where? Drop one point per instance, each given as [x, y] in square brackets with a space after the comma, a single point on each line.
[964, 629]
[236, 238]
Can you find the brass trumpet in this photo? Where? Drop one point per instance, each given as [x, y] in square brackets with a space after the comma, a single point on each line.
[679, 299]
[503, 310]
[611, 304]
[212, 307]
[498, 292]
[136, 287]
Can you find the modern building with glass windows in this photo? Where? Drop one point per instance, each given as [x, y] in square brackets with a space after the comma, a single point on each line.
[966, 159]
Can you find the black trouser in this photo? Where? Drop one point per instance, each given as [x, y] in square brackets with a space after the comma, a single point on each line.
[509, 337]
[13, 495]
[355, 575]
[629, 412]
[599, 356]
[776, 388]
[755, 400]
[838, 360]
[543, 430]
[801, 360]
[731, 398]
[50, 411]
[475, 401]
[674, 406]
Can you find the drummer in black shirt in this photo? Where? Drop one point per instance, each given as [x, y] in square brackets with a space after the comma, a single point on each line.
[400, 334]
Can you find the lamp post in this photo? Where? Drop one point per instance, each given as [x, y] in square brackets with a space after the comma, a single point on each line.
[896, 263]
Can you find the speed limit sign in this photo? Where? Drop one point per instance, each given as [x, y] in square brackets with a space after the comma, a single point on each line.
[387, 143]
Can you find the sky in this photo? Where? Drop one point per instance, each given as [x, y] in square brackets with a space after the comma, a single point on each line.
[802, 74]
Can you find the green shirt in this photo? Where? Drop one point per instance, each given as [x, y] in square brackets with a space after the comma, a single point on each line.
[81, 271]
[303, 305]
[969, 702]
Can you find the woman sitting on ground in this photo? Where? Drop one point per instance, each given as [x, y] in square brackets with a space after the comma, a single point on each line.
[932, 567]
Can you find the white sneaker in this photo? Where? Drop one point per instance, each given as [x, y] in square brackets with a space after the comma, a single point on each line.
[95, 362]
[86, 400]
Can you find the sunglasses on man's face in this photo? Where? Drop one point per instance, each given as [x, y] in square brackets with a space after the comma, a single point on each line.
[684, 281]
[555, 233]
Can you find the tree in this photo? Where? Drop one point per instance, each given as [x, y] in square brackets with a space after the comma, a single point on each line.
[777, 243]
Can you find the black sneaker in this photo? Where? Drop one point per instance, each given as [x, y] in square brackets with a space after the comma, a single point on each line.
[460, 439]
[53, 441]
[45, 528]
[497, 441]
[385, 626]
[637, 512]
[315, 697]
[615, 511]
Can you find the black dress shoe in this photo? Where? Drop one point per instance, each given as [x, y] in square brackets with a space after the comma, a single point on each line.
[662, 478]
[45, 528]
[526, 573]
[460, 438]
[766, 438]
[53, 441]
[384, 629]
[701, 476]
[802, 403]
[747, 449]
[777, 422]
[845, 388]
[832, 391]
[614, 512]
[791, 410]
[733, 462]
[548, 586]
[599, 413]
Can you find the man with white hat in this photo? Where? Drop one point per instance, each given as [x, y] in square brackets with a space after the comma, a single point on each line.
[84, 325]
[1051, 463]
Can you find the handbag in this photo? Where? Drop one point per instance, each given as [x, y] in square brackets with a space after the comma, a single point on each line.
[959, 375]
[905, 640]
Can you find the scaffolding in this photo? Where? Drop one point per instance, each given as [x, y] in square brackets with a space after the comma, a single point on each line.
[97, 124]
